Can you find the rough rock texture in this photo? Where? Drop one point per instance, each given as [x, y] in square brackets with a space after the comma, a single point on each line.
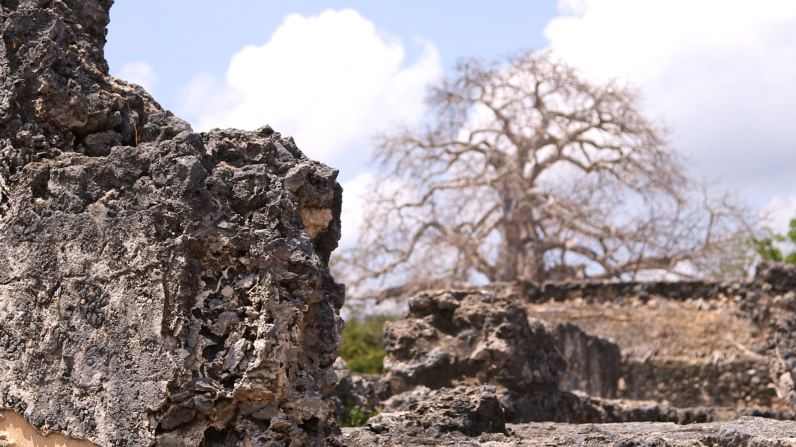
[156, 285]
[470, 411]
[694, 382]
[729, 346]
[486, 338]
[575, 408]
[744, 432]
[774, 307]
[594, 364]
[459, 337]
[356, 390]
[727, 350]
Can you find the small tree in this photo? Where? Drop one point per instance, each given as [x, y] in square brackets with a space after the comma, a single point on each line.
[529, 171]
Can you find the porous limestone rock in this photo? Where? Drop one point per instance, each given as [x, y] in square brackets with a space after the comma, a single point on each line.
[450, 338]
[470, 411]
[157, 285]
[485, 337]
[744, 432]
[355, 391]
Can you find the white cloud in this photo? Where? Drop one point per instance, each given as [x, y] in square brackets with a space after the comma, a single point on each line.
[778, 212]
[140, 73]
[720, 72]
[330, 81]
[354, 192]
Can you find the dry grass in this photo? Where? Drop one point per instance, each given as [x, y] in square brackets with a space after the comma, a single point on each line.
[693, 329]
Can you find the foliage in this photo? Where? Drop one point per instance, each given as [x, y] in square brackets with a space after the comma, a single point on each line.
[530, 171]
[353, 416]
[767, 246]
[363, 344]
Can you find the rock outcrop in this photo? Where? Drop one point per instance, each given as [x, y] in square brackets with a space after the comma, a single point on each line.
[744, 432]
[686, 352]
[356, 395]
[484, 337]
[469, 411]
[700, 343]
[451, 338]
[157, 285]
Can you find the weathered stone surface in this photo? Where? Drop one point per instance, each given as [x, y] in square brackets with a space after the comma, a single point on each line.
[470, 411]
[578, 408]
[656, 381]
[470, 337]
[744, 432]
[356, 390]
[156, 285]
[594, 364]
[485, 337]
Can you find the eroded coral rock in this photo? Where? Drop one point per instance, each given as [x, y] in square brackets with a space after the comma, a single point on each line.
[744, 432]
[470, 337]
[355, 393]
[470, 411]
[157, 285]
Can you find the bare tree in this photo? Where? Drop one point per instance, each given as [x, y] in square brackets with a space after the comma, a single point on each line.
[529, 171]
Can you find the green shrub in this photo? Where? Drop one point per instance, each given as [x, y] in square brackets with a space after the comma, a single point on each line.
[767, 246]
[354, 417]
[363, 344]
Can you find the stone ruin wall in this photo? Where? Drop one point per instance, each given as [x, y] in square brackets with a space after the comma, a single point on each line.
[479, 336]
[768, 301]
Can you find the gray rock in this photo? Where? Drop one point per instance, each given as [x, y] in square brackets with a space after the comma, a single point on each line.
[457, 337]
[485, 337]
[744, 432]
[355, 390]
[156, 285]
[594, 364]
[470, 411]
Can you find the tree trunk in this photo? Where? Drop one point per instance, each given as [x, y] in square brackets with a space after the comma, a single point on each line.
[518, 258]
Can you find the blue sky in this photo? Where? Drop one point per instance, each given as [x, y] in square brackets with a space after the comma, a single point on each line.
[182, 38]
[719, 73]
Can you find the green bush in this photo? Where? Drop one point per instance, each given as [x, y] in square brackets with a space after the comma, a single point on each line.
[768, 249]
[354, 417]
[363, 344]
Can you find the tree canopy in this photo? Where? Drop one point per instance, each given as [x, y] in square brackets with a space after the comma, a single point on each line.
[528, 170]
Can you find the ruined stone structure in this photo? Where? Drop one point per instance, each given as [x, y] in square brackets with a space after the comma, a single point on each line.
[689, 352]
[157, 285]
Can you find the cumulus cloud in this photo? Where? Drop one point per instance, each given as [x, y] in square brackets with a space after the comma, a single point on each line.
[778, 212]
[719, 73]
[354, 196]
[140, 73]
[330, 81]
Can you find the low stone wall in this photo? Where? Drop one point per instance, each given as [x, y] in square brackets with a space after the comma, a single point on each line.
[692, 383]
[608, 291]
[766, 302]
